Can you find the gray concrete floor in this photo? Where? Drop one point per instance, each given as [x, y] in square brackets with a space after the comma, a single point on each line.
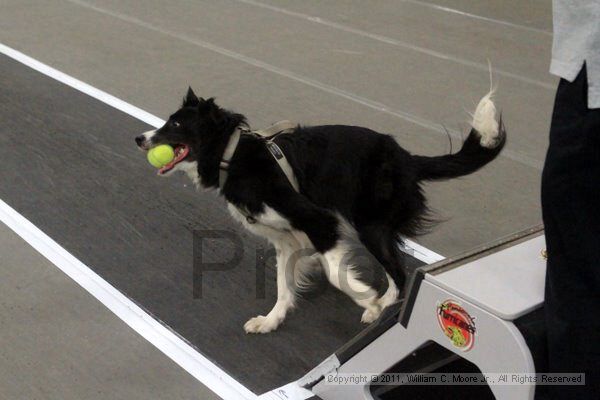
[58, 342]
[401, 67]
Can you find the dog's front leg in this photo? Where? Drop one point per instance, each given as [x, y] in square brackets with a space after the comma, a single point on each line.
[285, 290]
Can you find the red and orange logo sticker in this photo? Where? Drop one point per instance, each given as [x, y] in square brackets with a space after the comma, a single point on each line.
[457, 324]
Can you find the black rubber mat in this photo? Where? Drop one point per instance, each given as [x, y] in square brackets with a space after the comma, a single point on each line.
[70, 166]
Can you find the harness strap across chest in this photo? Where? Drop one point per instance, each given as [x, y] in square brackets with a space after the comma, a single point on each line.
[267, 135]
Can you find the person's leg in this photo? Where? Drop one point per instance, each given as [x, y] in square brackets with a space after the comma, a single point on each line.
[571, 213]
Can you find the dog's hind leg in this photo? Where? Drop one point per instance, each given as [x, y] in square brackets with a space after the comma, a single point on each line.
[288, 250]
[391, 294]
[382, 243]
[344, 274]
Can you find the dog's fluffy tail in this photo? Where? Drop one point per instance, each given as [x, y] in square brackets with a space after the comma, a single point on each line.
[485, 141]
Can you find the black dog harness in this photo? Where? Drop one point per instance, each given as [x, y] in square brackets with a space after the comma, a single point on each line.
[267, 135]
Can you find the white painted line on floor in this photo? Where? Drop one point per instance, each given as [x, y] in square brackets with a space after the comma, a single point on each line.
[421, 253]
[149, 328]
[480, 17]
[81, 86]
[398, 43]
[375, 105]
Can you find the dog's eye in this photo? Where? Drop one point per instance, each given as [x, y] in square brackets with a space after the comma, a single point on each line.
[176, 124]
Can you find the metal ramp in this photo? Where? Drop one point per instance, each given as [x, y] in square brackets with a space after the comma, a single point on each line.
[456, 308]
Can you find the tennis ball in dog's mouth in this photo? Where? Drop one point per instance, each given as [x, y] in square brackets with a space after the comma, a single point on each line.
[160, 155]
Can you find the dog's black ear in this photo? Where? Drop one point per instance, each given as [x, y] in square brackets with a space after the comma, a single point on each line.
[208, 106]
[190, 99]
[210, 109]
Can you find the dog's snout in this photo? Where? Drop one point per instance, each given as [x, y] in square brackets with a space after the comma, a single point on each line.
[144, 141]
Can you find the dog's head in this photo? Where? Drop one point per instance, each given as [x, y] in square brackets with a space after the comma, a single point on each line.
[198, 132]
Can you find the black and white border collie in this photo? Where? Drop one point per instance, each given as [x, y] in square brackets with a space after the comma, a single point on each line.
[357, 186]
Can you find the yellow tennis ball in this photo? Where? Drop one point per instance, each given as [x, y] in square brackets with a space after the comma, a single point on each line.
[160, 155]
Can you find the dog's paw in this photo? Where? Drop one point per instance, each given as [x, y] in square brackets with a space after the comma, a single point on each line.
[370, 315]
[260, 324]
